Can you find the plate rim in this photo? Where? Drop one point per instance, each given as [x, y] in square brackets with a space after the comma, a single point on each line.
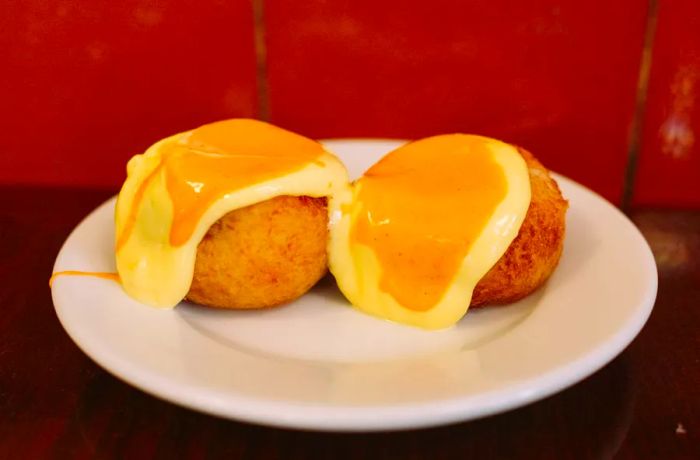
[325, 417]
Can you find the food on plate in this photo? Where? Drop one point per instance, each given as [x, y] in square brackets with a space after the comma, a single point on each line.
[534, 254]
[241, 214]
[412, 239]
[231, 214]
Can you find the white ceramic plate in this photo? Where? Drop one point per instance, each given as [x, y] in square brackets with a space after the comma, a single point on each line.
[319, 364]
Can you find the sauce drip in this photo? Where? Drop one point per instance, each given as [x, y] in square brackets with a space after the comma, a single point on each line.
[131, 218]
[103, 275]
[422, 207]
[220, 158]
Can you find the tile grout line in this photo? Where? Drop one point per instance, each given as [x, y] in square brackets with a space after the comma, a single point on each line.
[635, 135]
[263, 93]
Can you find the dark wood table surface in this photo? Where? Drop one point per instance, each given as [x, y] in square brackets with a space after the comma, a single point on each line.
[56, 403]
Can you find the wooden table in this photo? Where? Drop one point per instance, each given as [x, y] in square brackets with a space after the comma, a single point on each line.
[56, 403]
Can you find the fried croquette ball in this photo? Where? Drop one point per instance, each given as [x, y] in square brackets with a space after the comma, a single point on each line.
[262, 255]
[534, 253]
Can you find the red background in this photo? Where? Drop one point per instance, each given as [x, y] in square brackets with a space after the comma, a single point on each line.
[88, 84]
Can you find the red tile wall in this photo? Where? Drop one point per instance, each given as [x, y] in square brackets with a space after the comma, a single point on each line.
[87, 84]
[669, 163]
[557, 77]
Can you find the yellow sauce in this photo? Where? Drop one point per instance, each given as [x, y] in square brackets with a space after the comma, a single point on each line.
[134, 208]
[425, 224]
[183, 184]
[420, 216]
[217, 159]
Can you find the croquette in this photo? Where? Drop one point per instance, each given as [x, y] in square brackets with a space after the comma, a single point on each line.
[262, 255]
[534, 253]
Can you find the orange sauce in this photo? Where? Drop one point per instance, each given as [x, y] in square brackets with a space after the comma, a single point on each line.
[422, 207]
[220, 158]
[103, 275]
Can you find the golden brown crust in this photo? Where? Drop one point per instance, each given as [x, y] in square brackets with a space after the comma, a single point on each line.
[262, 255]
[534, 254]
